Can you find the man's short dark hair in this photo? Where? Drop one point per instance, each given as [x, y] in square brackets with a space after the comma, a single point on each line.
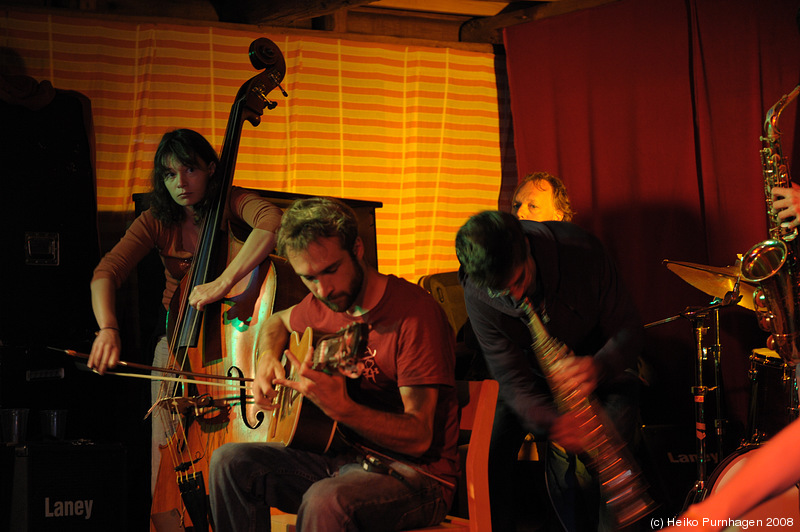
[489, 246]
[309, 219]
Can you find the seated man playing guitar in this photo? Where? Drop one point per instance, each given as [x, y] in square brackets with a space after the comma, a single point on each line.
[394, 465]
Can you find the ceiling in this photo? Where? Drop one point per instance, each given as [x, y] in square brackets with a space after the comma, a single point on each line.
[451, 21]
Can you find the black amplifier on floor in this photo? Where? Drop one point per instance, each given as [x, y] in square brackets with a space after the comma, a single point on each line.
[68, 486]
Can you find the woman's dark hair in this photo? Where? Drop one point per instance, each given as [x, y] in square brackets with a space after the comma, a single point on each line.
[188, 147]
[489, 246]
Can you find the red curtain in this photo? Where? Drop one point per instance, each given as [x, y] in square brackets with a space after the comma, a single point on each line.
[651, 113]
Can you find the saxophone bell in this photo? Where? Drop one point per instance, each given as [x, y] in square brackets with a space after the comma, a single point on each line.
[767, 264]
[764, 260]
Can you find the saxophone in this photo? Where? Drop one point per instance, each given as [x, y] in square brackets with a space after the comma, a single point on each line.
[621, 483]
[773, 264]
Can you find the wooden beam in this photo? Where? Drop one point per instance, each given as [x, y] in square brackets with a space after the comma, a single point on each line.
[490, 29]
[279, 12]
[404, 24]
[431, 41]
[475, 8]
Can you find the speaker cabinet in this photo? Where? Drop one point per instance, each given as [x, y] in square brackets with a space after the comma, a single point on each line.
[48, 221]
[68, 486]
[671, 464]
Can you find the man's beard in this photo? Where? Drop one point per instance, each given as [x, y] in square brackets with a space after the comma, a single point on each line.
[352, 293]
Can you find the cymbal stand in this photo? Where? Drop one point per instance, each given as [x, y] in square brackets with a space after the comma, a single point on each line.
[719, 422]
[698, 316]
[700, 390]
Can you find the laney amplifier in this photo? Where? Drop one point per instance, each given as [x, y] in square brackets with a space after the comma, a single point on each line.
[68, 486]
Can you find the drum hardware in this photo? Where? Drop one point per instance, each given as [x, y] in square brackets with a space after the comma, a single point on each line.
[698, 317]
[773, 395]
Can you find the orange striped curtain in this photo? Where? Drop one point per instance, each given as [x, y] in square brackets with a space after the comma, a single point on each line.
[413, 127]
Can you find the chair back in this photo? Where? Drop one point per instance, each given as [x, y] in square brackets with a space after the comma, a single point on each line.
[477, 401]
[448, 292]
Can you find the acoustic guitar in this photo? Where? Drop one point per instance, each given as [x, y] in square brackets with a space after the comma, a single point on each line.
[298, 423]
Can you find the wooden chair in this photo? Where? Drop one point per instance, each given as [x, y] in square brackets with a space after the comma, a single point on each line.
[477, 400]
[448, 292]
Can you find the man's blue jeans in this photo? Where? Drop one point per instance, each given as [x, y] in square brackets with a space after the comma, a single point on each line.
[330, 492]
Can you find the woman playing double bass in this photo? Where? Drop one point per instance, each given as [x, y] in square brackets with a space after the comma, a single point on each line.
[183, 180]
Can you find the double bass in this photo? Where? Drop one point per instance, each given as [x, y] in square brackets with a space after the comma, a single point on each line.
[218, 341]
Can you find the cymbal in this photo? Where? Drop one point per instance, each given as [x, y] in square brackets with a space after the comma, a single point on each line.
[713, 280]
